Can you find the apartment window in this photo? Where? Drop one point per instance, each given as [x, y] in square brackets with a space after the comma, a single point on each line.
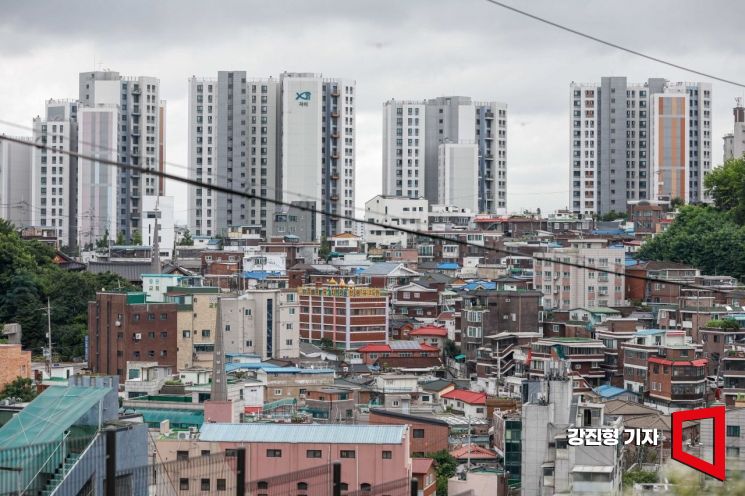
[183, 484]
[182, 455]
[277, 392]
[733, 431]
[205, 333]
[313, 454]
[273, 453]
[221, 485]
[347, 454]
[418, 433]
[387, 455]
[186, 334]
[733, 452]
[204, 485]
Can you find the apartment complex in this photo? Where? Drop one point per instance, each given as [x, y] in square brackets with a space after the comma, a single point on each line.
[289, 138]
[53, 179]
[424, 142]
[566, 286]
[734, 142]
[396, 211]
[138, 129]
[638, 141]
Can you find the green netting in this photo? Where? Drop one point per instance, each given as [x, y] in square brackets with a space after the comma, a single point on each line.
[53, 412]
[178, 418]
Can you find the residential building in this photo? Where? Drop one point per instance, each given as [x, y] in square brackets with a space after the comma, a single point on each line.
[348, 315]
[423, 470]
[732, 370]
[428, 434]
[290, 138]
[549, 464]
[196, 319]
[379, 353]
[582, 356]
[264, 322]
[471, 404]
[458, 175]
[396, 211]
[647, 215]
[638, 141]
[139, 140]
[430, 334]
[648, 281]
[15, 182]
[124, 327]
[413, 132]
[292, 383]
[16, 363]
[416, 301]
[370, 455]
[734, 143]
[54, 182]
[98, 209]
[576, 284]
[345, 243]
[733, 441]
[387, 275]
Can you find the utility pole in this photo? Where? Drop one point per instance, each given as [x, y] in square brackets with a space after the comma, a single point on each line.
[468, 453]
[49, 338]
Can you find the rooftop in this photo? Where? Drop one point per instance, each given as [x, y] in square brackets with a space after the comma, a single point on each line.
[303, 433]
[466, 396]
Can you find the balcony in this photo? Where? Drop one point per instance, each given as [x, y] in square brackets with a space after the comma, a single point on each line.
[489, 114]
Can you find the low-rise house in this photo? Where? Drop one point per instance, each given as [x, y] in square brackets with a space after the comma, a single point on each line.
[428, 434]
[372, 353]
[469, 403]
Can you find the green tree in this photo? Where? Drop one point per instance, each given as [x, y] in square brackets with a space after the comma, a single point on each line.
[21, 389]
[445, 465]
[638, 477]
[726, 185]
[104, 241]
[676, 202]
[325, 249]
[703, 237]
[613, 215]
[120, 238]
[730, 324]
[186, 239]
[450, 348]
[137, 238]
[326, 343]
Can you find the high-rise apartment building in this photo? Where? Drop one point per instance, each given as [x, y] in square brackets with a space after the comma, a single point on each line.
[140, 133]
[289, 138]
[15, 182]
[638, 141]
[414, 131]
[734, 142]
[54, 172]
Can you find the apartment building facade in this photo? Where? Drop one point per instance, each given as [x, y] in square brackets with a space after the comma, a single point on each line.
[575, 284]
[638, 141]
[290, 138]
[396, 211]
[415, 131]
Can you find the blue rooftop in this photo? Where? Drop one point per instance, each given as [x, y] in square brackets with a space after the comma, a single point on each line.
[260, 275]
[303, 433]
[608, 391]
[474, 285]
[448, 266]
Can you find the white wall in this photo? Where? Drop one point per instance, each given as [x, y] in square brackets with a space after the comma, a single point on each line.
[458, 175]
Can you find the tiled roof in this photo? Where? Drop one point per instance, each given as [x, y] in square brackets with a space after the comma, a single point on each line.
[476, 452]
[397, 346]
[466, 396]
[429, 330]
[409, 362]
[437, 385]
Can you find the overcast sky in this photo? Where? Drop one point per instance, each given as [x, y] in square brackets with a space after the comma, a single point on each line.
[393, 49]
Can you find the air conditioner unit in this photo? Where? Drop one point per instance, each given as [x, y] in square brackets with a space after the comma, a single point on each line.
[183, 435]
[138, 335]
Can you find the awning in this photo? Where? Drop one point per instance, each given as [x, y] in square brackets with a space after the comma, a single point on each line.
[595, 469]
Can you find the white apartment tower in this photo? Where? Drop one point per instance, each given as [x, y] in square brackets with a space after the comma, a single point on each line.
[734, 142]
[53, 172]
[413, 132]
[140, 138]
[15, 181]
[289, 139]
[638, 141]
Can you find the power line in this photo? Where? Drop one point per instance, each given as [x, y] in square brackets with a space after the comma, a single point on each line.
[313, 210]
[614, 45]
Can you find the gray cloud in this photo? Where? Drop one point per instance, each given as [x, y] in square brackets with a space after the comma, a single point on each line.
[393, 49]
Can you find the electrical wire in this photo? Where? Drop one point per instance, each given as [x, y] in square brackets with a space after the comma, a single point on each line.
[413, 232]
[614, 45]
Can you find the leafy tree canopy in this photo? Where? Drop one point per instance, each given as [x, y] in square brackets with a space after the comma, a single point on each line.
[21, 389]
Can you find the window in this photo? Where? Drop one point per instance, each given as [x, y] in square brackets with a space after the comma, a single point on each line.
[365, 487]
[205, 453]
[277, 392]
[733, 452]
[313, 454]
[164, 316]
[302, 486]
[273, 453]
[182, 455]
[205, 485]
[387, 455]
[733, 431]
[346, 454]
[205, 333]
[418, 433]
[183, 484]
[221, 485]
[262, 485]
[186, 334]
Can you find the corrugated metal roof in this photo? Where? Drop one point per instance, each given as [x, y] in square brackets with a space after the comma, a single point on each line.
[303, 433]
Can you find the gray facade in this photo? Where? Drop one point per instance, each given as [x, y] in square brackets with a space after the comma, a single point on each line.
[139, 138]
[612, 143]
[240, 132]
[413, 132]
[15, 182]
